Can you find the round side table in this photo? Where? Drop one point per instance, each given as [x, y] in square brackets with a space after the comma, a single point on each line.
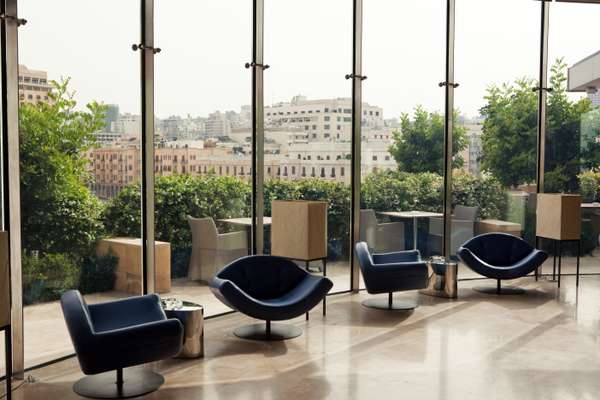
[191, 316]
[442, 281]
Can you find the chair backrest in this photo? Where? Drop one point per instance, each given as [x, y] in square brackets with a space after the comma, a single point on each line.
[263, 277]
[204, 232]
[499, 249]
[78, 320]
[365, 260]
[465, 213]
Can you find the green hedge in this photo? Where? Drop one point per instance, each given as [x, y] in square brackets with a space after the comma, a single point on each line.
[47, 276]
[589, 183]
[226, 197]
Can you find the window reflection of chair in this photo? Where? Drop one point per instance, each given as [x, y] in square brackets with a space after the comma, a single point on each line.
[212, 250]
[380, 238]
[462, 229]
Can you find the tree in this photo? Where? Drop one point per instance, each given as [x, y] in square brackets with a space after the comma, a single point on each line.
[509, 139]
[419, 145]
[59, 214]
[509, 132]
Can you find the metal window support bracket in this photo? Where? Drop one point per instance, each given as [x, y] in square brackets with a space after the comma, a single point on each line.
[256, 65]
[352, 76]
[454, 85]
[19, 21]
[542, 89]
[141, 46]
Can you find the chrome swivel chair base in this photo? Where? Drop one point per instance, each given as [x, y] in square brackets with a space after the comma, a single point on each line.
[125, 385]
[268, 332]
[390, 304]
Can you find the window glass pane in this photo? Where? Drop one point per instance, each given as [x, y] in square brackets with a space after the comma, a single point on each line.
[573, 123]
[80, 161]
[403, 125]
[202, 143]
[307, 118]
[494, 176]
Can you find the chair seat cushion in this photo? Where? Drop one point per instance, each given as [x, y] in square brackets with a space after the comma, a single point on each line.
[501, 256]
[300, 299]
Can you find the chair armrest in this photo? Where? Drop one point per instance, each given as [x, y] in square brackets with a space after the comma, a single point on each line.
[140, 335]
[147, 305]
[436, 226]
[397, 257]
[391, 267]
[232, 240]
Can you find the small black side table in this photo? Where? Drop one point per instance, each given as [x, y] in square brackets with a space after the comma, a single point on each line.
[8, 359]
[307, 264]
[558, 244]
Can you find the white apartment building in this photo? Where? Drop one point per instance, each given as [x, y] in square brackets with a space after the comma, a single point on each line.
[472, 154]
[320, 120]
[128, 125]
[217, 125]
[33, 85]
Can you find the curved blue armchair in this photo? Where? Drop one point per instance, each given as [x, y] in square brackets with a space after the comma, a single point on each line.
[391, 272]
[271, 289]
[501, 256]
[119, 334]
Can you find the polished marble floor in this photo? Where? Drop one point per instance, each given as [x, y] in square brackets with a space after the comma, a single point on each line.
[541, 345]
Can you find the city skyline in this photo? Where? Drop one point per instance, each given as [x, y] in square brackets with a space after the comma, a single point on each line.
[402, 74]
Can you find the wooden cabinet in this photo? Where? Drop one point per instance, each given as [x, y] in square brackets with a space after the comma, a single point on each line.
[299, 229]
[558, 216]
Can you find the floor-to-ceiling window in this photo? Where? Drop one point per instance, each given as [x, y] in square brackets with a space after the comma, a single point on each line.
[402, 154]
[308, 117]
[495, 127]
[572, 162]
[203, 143]
[80, 160]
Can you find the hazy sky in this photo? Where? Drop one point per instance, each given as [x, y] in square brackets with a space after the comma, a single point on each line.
[308, 44]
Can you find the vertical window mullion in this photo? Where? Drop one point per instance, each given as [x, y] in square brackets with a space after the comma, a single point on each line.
[12, 189]
[355, 172]
[449, 86]
[147, 53]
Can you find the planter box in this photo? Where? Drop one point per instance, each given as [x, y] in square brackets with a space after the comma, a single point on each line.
[129, 267]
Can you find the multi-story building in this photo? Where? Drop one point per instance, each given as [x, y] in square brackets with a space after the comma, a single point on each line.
[217, 125]
[128, 125]
[33, 85]
[320, 120]
[472, 153]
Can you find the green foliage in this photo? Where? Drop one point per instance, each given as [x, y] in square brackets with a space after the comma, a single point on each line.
[590, 139]
[59, 213]
[509, 137]
[486, 193]
[563, 133]
[394, 190]
[98, 274]
[589, 183]
[46, 277]
[397, 190]
[509, 132]
[419, 145]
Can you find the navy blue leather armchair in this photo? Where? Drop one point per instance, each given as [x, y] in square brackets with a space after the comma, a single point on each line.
[271, 289]
[391, 272]
[119, 334]
[501, 256]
